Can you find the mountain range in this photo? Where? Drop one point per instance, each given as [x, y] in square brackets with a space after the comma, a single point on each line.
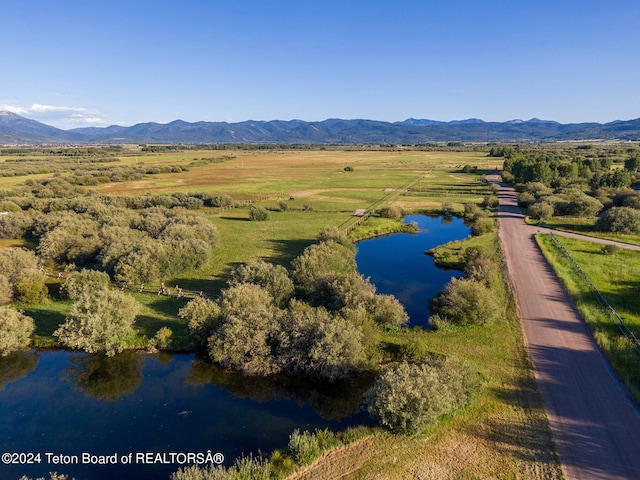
[15, 129]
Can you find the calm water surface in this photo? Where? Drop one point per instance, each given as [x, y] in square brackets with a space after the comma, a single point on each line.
[70, 402]
[397, 264]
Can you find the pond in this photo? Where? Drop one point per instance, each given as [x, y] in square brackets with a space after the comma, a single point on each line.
[69, 403]
[397, 264]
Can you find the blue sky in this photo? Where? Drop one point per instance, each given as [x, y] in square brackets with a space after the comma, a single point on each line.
[96, 63]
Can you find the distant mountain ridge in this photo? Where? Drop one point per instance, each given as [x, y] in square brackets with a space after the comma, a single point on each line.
[15, 129]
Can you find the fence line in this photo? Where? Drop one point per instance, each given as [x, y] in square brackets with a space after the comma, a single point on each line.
[349, 227]
[161, 289]
[613, 315]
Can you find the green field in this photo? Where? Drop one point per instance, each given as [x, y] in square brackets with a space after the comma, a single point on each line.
[584, 226]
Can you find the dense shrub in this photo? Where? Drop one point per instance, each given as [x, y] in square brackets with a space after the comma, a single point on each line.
[481, 269]
[15, 330]
[101, 322]
[321, 261]
[203, 316]
[257, 338]
[482, 225]
[304, 447]
[491, 201]
[258, 213]
[619, 220]
[411, 397]
[221, 201]
[273, 278]
[387, 311]
[15, 261]
[525, 199]
[244, 468]
[393, 212]
[540, 211]
[6, 290]
[15, 224]
[248, 328]
[84, 282]
[74, 240]
[31, 287]
[466, 302]
[334, 234]
[471, 210]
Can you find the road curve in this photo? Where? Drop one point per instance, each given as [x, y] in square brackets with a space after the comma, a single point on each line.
[595, 425]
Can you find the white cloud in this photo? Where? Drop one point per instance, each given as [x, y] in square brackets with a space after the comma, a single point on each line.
[59, 116]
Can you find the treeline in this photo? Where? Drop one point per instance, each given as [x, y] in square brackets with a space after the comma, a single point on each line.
[84, 171]
[554, 185]
[64, 152]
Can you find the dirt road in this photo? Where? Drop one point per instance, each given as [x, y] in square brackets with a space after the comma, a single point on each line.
[595, 425]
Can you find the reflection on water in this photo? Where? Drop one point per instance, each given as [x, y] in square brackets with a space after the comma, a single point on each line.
[396, 264]
[332, 401]
[71, 402]
[106, 378]
[16, 366]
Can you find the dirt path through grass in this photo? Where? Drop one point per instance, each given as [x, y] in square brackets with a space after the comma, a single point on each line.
[595, 425]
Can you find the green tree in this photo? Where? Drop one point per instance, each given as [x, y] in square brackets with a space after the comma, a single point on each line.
[203, 316]
[411, 397]
[273, 278]
[6, 290]
[315, 343]
[321, 261]
[243, 342]
[221, 201]
[258, 213]
[632, 164]
[73, 241]
[466, 302]
[337, 350]
[15, 224]
[393, 212]
[144, 263]
[540, 211]
[31, 287]
[387, 311]
[334, 234]
[15, 330]
[619, 220]
[84, 282]
[247, 332]
[101, 322]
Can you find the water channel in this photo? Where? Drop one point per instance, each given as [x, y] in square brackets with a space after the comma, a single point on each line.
[69, 403]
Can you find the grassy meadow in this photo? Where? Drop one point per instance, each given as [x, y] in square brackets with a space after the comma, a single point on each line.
[585, 226]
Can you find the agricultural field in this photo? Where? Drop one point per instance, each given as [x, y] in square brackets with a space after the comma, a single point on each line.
[315, 187]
